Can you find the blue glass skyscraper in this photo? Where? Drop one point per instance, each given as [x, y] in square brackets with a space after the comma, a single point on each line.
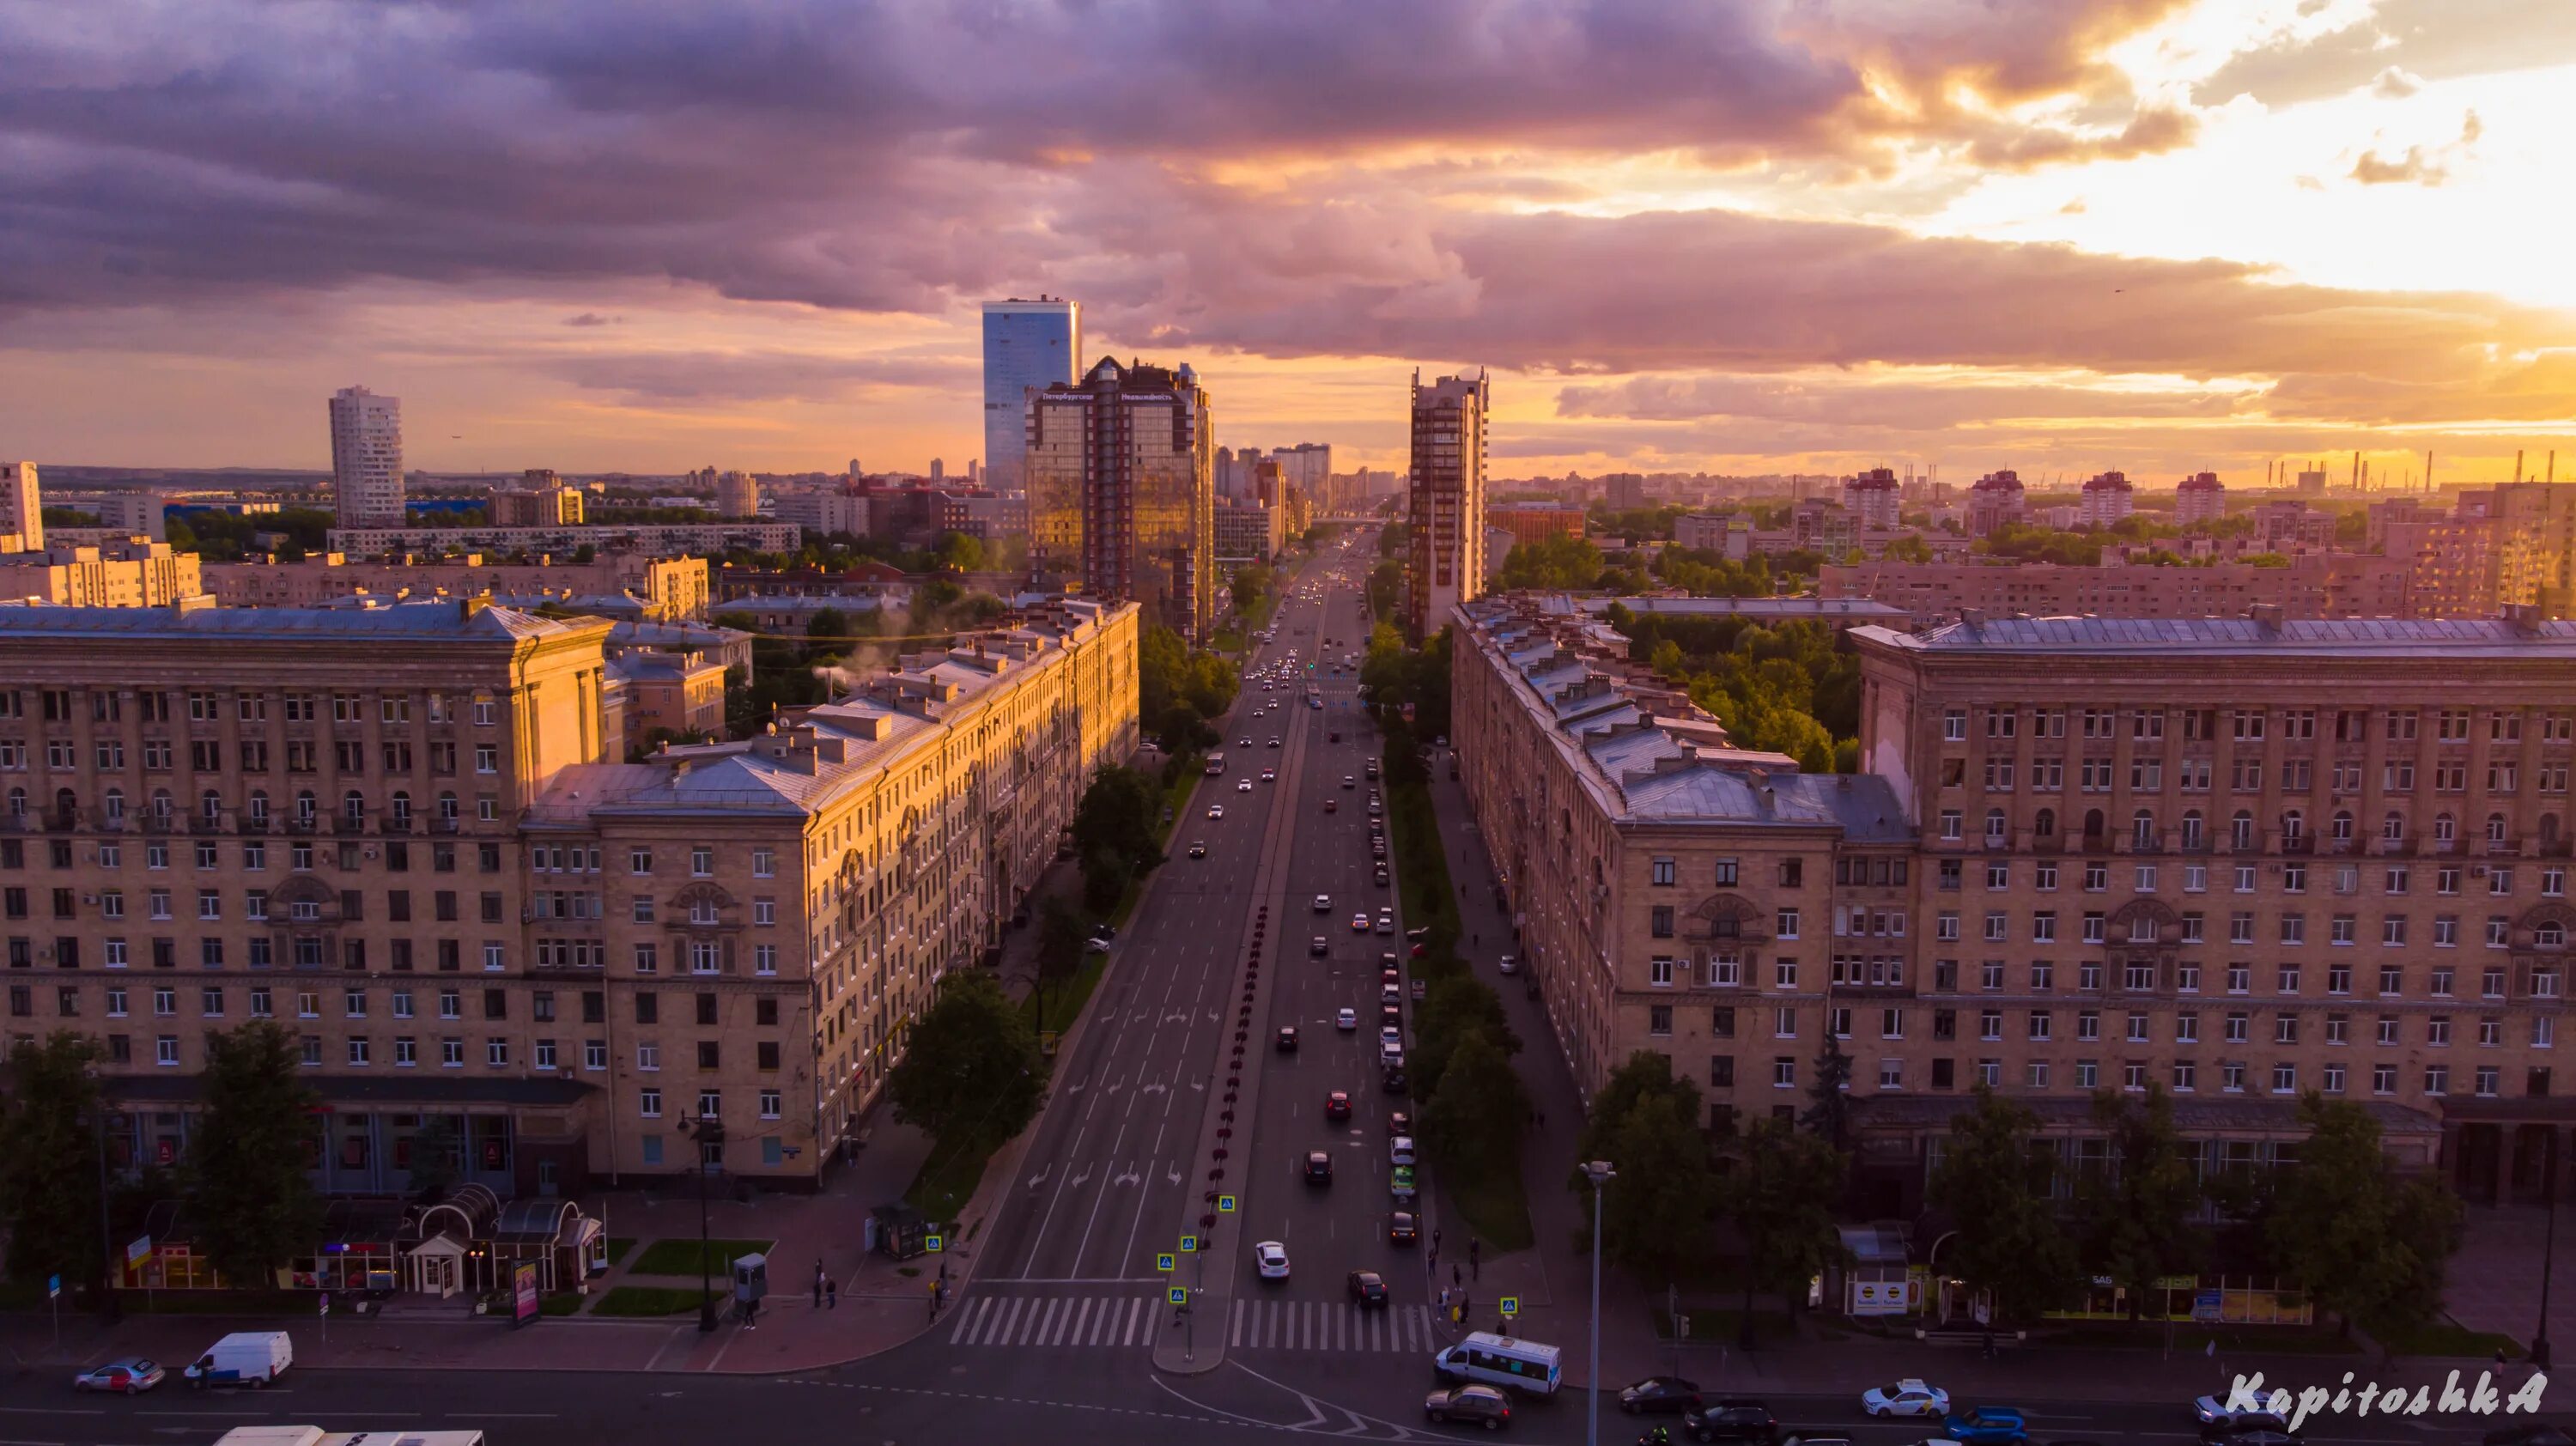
[1027, 344]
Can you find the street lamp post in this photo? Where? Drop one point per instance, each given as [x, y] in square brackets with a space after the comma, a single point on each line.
[107, 1308]
[706, 1131]
[2548, 1251]
[1600, 1173]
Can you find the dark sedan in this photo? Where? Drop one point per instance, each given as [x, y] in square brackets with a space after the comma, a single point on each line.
[1367, 1290]
[1745, 1423]
[1658, 1395]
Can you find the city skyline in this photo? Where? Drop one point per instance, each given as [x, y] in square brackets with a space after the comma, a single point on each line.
[2157, 237]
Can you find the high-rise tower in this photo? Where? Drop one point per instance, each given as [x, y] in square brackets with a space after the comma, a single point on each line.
[1027, 345]
[1121, 489]
[1447, 511]
[366, 458]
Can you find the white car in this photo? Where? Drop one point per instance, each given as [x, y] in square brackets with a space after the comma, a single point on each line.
[1508, 964]
[1346, 1019]
[1272, 1259]
[1244, 787]
[1390, 1037]
[1908, 1397]
[1270, 775]
[1323, 903]
[1399, 1151]
[1216, 810]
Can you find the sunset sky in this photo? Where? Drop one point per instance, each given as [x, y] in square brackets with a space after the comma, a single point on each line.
[2057, 235]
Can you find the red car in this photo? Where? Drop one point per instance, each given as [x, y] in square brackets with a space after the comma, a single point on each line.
[1337, 1105]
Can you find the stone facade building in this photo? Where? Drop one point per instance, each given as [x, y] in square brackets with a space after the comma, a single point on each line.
[403, 833]
[2239, 859]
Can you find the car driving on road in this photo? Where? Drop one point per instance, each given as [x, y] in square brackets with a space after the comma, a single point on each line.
[1908, 1397]
[1271, 1259]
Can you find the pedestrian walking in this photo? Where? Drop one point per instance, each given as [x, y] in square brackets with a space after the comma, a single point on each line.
[831, 1293]
[751, 1315]
[1435, 1242]
[818, 1282]
[1456, 1277]
[934, 1301]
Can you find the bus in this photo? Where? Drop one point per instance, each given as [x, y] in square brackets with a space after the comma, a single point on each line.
[1216, 763]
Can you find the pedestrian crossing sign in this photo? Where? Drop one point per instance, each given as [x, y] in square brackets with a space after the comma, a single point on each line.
[1189, 1243]
[1511, 1305]
[1180, 1295]
[1225, 1204]
[1165, 1262]
[931, 1243]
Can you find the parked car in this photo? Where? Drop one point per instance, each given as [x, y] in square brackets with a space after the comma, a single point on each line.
[1398, 1123]
[1735, 1420]
[1482, 1405]
[1399, 1150]
[1989, 1426]
[1658, 1395]
[244, 1358]
[1399, 1182]
[1908, 1397]
[125, 1376]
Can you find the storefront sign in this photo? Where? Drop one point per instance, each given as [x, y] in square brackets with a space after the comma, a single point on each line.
[523, 1292]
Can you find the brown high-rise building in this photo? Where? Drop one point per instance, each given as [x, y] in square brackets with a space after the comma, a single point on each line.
[1121, 490]
[1446, 513]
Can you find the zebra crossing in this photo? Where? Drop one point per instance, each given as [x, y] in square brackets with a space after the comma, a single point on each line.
[1129, 1321]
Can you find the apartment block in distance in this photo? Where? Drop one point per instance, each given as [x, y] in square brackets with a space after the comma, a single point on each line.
[2240, 859]
[401, 833]
[1121, 491]
[2308, 585]
[671, 588]
[1445, 512]
[129, 574]
[366, 459]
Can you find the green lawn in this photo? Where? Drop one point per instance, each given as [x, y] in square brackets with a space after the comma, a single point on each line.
[1492, 1203]
[680, 1257]
[1066, 997]
[562, 1302]
[948, 1179]
[618, 1245]
[2448, 1337]
[652, 1300]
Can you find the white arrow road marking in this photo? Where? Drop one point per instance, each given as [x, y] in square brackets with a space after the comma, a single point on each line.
[1077, 1180]
[1039, 1178]
[1130, 1177]
[1176, 1174]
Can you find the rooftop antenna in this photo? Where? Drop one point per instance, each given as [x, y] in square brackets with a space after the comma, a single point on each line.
[2517, 464]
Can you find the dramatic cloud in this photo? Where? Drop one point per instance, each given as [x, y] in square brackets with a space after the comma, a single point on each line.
[1901, 404]
[721, 378]
[2430, 39]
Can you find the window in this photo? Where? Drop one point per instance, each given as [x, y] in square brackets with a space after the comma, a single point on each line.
[649, 1102]
[1663, 873]
[1784, 1072]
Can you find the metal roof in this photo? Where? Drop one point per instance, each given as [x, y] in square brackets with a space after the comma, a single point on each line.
[2322, 637]
[432, 621]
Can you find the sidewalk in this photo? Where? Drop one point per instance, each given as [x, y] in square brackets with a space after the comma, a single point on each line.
[1553, 1279]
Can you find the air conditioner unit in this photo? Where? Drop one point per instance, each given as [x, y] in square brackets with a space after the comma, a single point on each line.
[2477, 871]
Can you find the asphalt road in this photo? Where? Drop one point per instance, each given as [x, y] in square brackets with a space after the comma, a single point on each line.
[926, 1393]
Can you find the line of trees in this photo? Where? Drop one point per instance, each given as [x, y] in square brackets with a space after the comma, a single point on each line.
[2367, 1242]
[1792, 687]
[251, 1203]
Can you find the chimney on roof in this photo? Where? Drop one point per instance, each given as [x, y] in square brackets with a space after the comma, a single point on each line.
[2523, 618]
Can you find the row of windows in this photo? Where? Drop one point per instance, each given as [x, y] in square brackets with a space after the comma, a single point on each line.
[2496, 880]
[703, 956]
[2291, 928]
[2147, 835]
[2138, 976]
[2253, 725]
[56, 705]
[301, 856]
[2040, 1026]
[2182, 1076]
[2244, 775]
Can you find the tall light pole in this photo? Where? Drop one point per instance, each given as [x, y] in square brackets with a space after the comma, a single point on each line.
[705, 1131]
[1600, 1173]
[2548, 1251]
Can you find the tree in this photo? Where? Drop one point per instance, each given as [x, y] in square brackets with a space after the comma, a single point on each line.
[970, 1070]
[1105, 877]
[49, 1160]
[1655, 1213]
[960, 552]
[2134, 1211]
[2368, 1244]
[1474, 1118]
[1828, 1114]
[1781, 1196]
[1454, 1008]
[1060, 940]
[436, 1154]
[1119, 815]
[1994, 1183]
[255, 1205]
[1554, 561]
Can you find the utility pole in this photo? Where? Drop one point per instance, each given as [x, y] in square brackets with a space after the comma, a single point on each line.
[2548, 1251]
[1600, 1173]
[706, 1131]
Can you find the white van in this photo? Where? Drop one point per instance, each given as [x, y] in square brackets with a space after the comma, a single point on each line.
[244, 1358]
[1504, 1361]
